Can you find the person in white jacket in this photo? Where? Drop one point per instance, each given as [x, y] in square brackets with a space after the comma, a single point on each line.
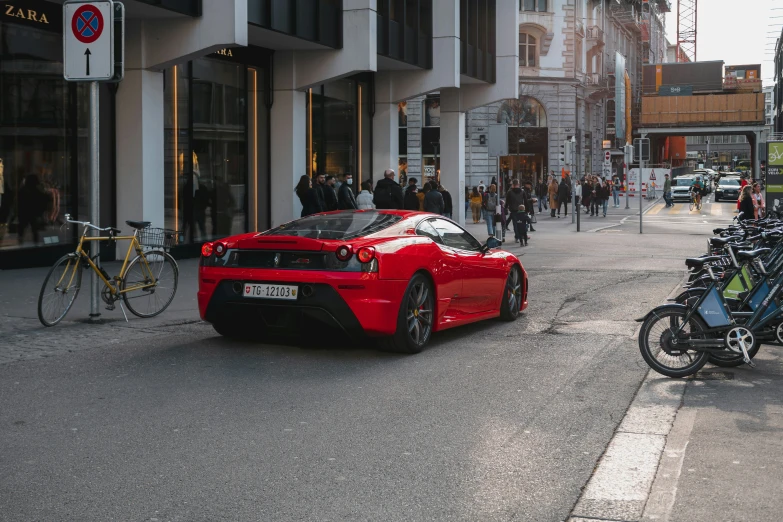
[364, 199]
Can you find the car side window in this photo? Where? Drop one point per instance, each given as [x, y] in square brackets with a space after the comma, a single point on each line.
[455, 236]
[425, 228]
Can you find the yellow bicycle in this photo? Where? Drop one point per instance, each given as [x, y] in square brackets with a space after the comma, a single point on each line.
[146, 284]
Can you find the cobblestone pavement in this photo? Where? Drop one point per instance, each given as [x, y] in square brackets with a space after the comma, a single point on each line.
[25, 339]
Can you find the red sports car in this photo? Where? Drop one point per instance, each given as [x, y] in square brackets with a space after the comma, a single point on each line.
[394, 275]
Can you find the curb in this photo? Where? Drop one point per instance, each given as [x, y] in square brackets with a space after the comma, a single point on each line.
[622, 482]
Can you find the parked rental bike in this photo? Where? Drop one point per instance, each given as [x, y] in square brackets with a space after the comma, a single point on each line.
[732, 303]
[147, 282]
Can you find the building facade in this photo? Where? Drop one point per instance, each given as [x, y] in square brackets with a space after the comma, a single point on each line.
[570, 55]
[225, 105]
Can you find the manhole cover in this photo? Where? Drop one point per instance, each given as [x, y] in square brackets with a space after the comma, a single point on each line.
[715, 376]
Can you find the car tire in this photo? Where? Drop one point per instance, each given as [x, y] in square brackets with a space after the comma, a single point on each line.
[716, 198]
[418, 304]
[512, 295]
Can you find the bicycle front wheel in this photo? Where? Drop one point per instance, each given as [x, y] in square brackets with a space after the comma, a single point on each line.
[659, 349]
[59, 290]
[150, 283]
[690, 207]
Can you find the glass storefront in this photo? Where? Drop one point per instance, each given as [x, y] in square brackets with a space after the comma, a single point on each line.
[339, 129]
[43, 133]
[216, 131]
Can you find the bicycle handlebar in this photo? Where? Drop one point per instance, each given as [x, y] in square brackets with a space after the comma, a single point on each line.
[87, 224]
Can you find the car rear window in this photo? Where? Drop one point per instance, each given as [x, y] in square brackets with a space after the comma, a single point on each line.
[340, 226]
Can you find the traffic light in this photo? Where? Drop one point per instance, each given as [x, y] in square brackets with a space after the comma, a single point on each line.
[567, 151]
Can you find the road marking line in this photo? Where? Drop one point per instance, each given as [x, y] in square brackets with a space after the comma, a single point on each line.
[657, 208]
[676, 209]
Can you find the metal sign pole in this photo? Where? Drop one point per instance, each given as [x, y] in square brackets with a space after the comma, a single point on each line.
[627, 172]
[95, 196]
[641, 199]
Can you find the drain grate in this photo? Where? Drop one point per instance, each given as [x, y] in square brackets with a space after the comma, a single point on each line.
[715, 376]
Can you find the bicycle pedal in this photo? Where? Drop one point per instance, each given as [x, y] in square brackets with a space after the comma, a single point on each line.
[750, 363]
[110, 307]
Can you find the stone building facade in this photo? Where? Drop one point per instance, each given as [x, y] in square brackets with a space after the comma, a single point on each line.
[568, 56]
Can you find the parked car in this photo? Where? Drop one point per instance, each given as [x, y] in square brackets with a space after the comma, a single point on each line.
[394, 275]
[681, 187]
[728, 188]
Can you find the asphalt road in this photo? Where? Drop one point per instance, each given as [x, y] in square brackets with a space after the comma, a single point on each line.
[495, 421]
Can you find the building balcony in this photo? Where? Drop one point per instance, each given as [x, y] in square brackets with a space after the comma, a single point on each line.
[627, 16]
[595, 36]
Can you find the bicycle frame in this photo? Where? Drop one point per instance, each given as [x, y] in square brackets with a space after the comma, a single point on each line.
[134, 245]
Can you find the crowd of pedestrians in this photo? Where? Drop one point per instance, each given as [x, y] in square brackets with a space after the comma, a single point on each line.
[515, 208]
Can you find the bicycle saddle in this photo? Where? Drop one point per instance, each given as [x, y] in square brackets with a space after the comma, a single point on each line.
[138, 225]
[752, 254]
[720, 241]
[696, 262]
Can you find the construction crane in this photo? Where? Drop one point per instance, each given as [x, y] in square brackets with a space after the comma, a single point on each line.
[686, 30]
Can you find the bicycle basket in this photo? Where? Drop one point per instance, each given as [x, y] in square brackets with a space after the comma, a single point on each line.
[158, 238]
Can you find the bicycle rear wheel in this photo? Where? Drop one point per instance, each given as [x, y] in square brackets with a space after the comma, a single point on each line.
[151, 300]
[59, 290]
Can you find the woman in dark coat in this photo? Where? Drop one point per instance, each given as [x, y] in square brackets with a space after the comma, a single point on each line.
[307, 196]
[746, 204]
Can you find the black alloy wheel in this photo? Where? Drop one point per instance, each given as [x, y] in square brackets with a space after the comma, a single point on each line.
[512, 295]
[415, 320]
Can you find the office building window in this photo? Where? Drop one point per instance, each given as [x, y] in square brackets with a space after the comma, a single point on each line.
[533, 5]
[527, 50]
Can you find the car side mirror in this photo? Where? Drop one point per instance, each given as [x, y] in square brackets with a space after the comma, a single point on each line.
[491, 244]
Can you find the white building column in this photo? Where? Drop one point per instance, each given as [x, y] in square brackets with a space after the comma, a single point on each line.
[452, 150]
[288, 141]
[385, 128]
[140, 148]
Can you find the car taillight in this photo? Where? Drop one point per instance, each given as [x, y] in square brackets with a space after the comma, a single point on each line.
[206, 249]
[220, 249]
[343, 253]
[365, 254]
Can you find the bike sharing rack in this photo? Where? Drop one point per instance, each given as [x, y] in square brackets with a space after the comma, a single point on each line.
[93, 52]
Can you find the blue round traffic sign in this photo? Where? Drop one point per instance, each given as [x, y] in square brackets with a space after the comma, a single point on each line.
[87, 24]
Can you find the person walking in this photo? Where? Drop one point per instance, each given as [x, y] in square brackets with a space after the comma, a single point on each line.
[345, 197]
[606, 191]
[595, 197]
[522, 222]
[318, 186]
[667, 191]
[758, 201]
[541, 190]
[433, 200]
[364, 199]
[388, 193]
[307, 196]
[616, 186]
[448, 208]
[529, 204]
[467, 201]
[411, 199]
[552, 193]
[578, 194]
[475, 205]
[489, 204]
[563, 195]
[747, 212]
[515, 198]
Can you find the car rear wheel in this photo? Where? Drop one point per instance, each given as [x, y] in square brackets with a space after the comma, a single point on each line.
[415, 318]
[512, 296]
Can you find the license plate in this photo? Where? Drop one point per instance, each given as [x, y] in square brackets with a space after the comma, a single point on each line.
[264, 291]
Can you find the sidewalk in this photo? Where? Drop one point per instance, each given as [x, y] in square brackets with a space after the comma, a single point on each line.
[25, 338]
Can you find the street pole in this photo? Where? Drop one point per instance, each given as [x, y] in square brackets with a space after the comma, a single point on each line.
[95, 196]
[641, 176]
